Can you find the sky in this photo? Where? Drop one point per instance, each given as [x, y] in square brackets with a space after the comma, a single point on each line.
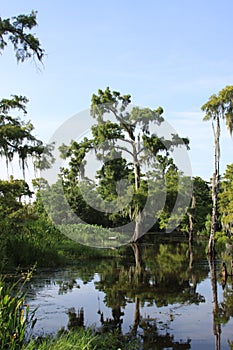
[171, 53]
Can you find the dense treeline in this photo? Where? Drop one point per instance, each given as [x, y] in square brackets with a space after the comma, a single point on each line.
[29, 235]
[52, 195]
[30, 227]
[153, 179]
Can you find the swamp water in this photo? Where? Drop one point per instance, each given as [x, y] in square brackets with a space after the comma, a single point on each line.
[166, 292]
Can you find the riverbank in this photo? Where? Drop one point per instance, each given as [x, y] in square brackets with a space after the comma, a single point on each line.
[82, 339]
[45, 246]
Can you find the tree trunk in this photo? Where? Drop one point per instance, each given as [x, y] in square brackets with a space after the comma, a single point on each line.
[215, 188]
[137, 229]
[138, 218]
[136, 166]
[191, 218]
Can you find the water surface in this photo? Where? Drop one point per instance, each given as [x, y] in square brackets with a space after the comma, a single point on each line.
[166, 292]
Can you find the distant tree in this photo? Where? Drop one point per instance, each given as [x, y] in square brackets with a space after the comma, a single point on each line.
[218, 107]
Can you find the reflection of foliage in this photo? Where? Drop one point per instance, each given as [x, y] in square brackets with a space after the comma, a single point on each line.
[162, 276]
[76, 320]
[111, 324]
[226, 307]
[112, 285]
[152, 339]
[65, 286]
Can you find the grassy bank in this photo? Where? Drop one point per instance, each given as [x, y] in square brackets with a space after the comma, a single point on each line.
[85, 340]
[42, 243]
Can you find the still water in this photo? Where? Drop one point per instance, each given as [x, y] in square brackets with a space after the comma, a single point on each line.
[166, 292]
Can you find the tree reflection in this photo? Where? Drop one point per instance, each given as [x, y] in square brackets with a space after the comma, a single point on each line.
[222, 312]
[152, 339]
[226, 307]
[160, 275]
[76, 320]
[216, 322]
[142, 276]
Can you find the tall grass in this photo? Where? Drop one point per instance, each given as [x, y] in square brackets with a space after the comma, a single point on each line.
[45, 245]
[82, 339]
[15, 317]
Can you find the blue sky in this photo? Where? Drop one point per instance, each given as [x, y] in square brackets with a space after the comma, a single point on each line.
[171, 53]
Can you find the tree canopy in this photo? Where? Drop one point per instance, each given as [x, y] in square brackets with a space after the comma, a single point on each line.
[134, 161]
[16, 136]
[226, 200]
[17, 31]
[216, 108]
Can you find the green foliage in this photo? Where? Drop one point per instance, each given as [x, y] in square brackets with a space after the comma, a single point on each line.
[16, 136]
[29, 236]
[35, 239]
[221, 237]
[220, 105]
[14, 215]
[208, 224]
[202, 208]
[201, 191]
[226, 201]
[25, 237]
[128, 137]
[15, 317]
[17, 219]
[93, 235]
[39, 244]
[11, 194]
[17, 31]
